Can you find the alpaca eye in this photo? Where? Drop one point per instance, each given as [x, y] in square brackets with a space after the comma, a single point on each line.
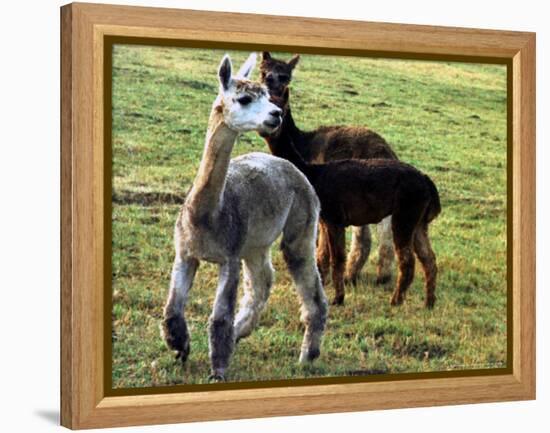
[244, 100]
[283, 78]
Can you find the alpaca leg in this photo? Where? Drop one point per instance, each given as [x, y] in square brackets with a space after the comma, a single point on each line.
[220, 326]
[385, 251]
[404, 224]
[405, 259]
[425, 254]
[323, 253]
[337, 247]
[359, 253]
[258, 278]
[174, 328]
[298, 253]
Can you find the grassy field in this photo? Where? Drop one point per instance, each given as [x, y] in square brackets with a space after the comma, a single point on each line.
[447, 119]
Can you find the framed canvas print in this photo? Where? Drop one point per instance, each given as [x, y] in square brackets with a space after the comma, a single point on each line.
[292, 216]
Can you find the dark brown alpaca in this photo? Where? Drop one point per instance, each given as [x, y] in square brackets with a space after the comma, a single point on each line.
[359, 192]
[332, 143]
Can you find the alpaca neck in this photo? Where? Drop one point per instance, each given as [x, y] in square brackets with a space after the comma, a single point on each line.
[290, 126]
[282, 144]
[205, 197]
[299, 138]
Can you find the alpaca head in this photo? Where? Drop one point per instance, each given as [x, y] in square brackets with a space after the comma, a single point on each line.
[245, 104]
[281, 101]
[276, 74]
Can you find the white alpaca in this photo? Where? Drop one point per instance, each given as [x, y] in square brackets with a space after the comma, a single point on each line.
[235, 211]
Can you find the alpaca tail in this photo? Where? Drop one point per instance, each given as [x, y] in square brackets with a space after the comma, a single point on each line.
[434, 207]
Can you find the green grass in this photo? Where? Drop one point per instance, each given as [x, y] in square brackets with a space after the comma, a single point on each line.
[448, 119]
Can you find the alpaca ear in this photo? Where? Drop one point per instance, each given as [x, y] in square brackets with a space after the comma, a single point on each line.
[224, 72]
[247, 67]
[294, 61]
[266, 55]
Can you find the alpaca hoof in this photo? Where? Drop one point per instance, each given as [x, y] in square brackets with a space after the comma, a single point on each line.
[309, 355]
[181, 356]
[240, 332]
[383, 279]
[396, 301]
[338, 300]
[174, 331]
[239, 338]
[216, 378]
[430, 302]
[351, 281]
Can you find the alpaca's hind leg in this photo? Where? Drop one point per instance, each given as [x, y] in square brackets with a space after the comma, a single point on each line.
[258, 278]
[405, 257]
[298, 252]
[337, 247]
[358, 254]
[220, 325]
[385, 251]
[425, 254]
[404, 224]
[174, 328]
[323, 253]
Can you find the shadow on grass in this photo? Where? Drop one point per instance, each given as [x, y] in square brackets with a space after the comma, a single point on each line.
[147, 198]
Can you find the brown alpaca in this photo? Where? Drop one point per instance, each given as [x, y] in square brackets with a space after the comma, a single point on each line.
[359, 192]
[332, 143]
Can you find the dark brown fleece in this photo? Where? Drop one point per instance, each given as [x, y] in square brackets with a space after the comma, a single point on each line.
[360, 192]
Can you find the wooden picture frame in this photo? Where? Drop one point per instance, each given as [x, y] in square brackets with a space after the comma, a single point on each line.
[85, 400]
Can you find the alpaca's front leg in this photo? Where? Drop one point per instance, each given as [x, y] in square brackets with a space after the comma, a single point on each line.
[337, 247]
[174, 328]
[220, 326]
